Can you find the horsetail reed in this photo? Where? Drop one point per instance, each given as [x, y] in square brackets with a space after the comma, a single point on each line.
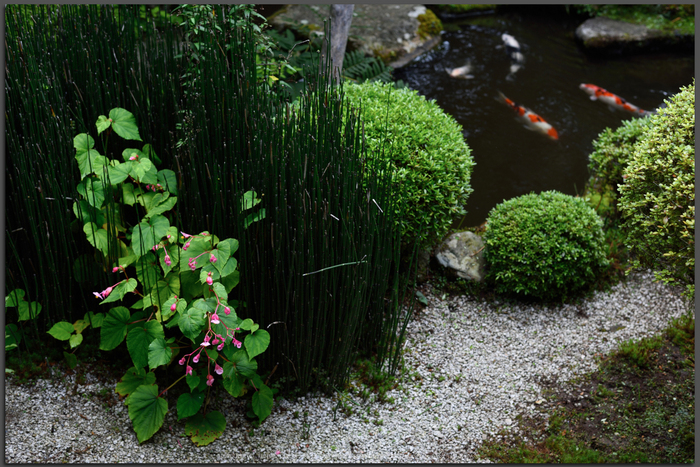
[317, 271]
[66, 64]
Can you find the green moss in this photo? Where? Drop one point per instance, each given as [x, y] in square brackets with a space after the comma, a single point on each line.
[657, 198]
[429, 25]
[669, 18]
[462, 8]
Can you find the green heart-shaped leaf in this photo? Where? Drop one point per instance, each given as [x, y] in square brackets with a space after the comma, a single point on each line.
[147, 233]
[61, 330]
[263, 401]
[124, 123]
[134, 378]
[114, 328]
[146, 411]
[139, 338]
[189, 404]
[234, 383]
[75, 340]
[239, 362]
[28, 310]
[120, 290]
[158, 353]
[204, 429]
[97, 237]
[14, 297]
[102, 124]
[256, 342]
[191, 322]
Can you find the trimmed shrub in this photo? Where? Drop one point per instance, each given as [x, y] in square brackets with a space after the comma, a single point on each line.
[426, 148]
[611, 152]
[657, 198]
[547, 246]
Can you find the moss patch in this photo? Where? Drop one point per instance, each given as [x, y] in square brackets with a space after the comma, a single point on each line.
[429, 25]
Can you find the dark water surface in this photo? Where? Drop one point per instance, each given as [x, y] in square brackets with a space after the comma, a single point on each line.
[511, 160]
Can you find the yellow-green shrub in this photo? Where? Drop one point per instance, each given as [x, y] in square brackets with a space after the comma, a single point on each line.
[657, 198]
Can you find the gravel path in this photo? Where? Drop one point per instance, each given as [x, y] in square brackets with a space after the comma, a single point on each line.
[479, 365]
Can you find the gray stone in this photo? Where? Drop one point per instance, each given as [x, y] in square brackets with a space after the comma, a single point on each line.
[389, 32]
[607, 36]
[462, 253]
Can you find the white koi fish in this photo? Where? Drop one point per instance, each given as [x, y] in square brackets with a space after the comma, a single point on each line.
[513, 50]
[462, 72]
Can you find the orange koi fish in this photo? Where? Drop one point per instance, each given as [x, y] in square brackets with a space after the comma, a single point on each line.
[531, 120]
[613, 101]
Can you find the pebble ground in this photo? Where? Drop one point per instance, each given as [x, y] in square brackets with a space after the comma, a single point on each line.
[473, 367]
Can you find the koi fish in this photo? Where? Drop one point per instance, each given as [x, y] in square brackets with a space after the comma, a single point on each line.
[513, 50]
[613, 101]
[462, 72]
[531, 120]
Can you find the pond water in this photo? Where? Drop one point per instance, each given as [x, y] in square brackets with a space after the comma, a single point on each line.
[510, 160]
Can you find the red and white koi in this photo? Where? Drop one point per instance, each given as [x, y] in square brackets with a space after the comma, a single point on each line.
[531, 120]
[613, 101]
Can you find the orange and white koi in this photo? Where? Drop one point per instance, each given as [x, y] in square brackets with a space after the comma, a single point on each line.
[613, 101]
[531, 120]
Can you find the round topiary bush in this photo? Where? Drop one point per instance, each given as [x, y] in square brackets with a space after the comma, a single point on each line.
[611, 152]
[546, 246]
[427, 150]
[657, 198]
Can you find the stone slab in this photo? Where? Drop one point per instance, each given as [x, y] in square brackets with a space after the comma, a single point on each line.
[608, 36]
[389, 32]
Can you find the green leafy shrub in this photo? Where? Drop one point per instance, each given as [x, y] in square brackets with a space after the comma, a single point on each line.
[657, 198]
[426, 148]
[611, 153]
[546, 245]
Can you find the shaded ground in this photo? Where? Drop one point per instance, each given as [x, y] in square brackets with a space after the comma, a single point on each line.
[639, 407]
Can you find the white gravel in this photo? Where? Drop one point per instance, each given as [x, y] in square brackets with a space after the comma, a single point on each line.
[479, 365]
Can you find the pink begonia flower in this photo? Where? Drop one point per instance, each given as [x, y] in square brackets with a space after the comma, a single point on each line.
[215, 319]
[196, 358]
[215, 341]
[212, 258]
[210, 281]
[106, 292]
[210, 380]
[186, 246]
[227, 310]
[185, 235]
[192, 264]
[221, 346]
[97, 295]
[167, 260]
[205, 344]
[134, 157]
[218, 369]
[115, 269]
[188, 371]
[173, 307]
[182, 361]
[236, 342]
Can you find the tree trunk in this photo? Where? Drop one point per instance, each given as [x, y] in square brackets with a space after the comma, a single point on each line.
[341, 18]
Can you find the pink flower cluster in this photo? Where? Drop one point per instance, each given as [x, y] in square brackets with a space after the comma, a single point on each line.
[102, 295]
[156, 187]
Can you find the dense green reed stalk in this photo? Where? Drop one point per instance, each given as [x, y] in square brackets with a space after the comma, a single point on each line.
[318, 272]
[66, 65]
